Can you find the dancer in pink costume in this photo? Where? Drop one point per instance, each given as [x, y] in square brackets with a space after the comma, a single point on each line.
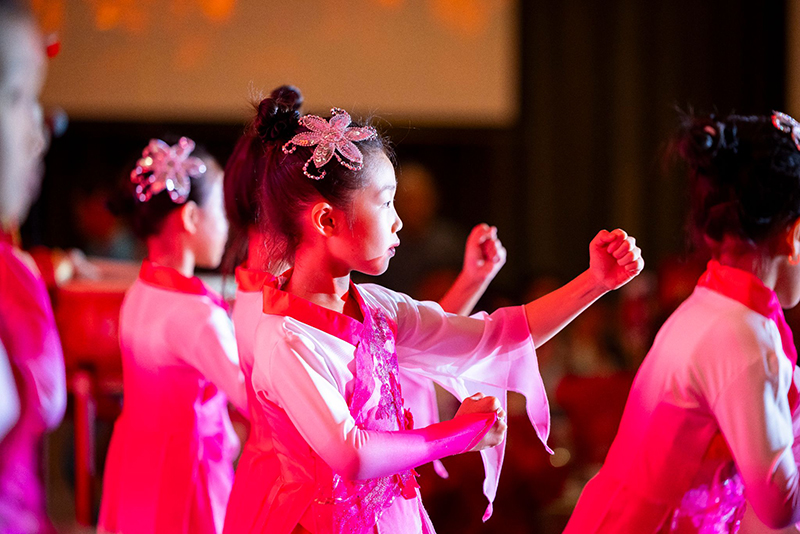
[170, 462]
[27, 328]
[484, 256]
[328, 352]
[709, 420]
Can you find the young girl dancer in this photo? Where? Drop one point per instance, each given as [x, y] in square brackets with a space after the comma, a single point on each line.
[484, 257]
[28, 335]
[327, 352]
[169, 466]
[709, 418]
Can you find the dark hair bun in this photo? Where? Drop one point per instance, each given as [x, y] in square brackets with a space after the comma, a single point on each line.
[278, 115]
[744, 175]
[705, 141]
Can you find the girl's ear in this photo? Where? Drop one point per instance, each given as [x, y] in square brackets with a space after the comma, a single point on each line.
[324, 219]
[190, 215]
[793, 240]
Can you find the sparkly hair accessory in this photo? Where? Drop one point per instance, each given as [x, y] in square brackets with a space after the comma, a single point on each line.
[332, 138]
[787, 124]
[163, 167]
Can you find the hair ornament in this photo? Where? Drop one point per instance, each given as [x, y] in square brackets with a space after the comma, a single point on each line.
[787, 124]
[332, 138]
[163, 167]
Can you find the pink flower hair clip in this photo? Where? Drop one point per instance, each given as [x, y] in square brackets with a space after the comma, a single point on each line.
[163, 167]
[787, 124]
[332, 138]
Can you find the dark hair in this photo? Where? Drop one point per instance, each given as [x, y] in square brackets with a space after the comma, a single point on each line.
[744, 176]
[244, 170]
[147, 218]
[15, 9]
[12, 11]
[285, 190]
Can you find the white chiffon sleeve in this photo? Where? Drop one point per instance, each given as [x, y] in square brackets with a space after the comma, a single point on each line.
[292, 371]
[487, 353]
[752, 411]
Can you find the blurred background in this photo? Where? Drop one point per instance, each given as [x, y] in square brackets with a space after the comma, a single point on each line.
[546, 118]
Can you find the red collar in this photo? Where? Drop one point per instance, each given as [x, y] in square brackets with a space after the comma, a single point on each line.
[279, 302]
[171, 280]
[251, 280]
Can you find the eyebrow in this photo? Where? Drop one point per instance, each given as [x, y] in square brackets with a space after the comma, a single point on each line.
[389, 187]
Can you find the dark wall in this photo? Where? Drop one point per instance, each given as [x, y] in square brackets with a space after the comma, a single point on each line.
[601, 81]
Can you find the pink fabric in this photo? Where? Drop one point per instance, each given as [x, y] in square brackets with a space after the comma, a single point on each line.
[28, 333]
[170, 462]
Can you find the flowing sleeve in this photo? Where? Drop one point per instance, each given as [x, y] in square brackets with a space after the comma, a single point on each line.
[487, 353]
[215, 355]
[28, 332]
[9, 408]
[752, 410]
[302, 377]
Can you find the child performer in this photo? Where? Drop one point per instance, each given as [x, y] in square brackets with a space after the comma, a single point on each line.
[327, 352]
[710, 415]
[169, 466]
[484, 256]
[28, 332]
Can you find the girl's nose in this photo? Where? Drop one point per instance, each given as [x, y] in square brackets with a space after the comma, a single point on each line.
[398, 223]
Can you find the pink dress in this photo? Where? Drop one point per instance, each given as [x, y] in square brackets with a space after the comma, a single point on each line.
[169, 467]
[28, 333]
[338, 435]
[709, 417]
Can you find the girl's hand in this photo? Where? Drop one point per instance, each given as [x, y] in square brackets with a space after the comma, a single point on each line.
[614, 258]
[484, 254]
[478, 403]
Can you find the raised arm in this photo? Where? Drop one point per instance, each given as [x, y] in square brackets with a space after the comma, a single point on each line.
[484, 256]
[614, 260]
[297, 378]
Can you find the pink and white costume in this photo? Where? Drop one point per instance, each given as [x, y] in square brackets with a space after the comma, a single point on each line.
[338, 431]
[28, 333]
[708, 419]
[169, 466]
[258, 463]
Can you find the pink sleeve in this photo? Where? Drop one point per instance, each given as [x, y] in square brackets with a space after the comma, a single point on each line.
[753, 414]
[296, 378]
[215, 356]
[28, 332]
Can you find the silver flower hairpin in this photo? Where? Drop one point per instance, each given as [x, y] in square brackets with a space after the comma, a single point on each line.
[163, 167]
[787, 124]
[332, 138]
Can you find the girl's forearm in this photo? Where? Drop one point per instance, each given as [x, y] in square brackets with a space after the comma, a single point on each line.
[549, 314]
[463, 295]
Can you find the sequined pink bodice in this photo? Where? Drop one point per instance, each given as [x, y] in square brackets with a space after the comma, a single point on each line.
[713, 508]
[358, 505]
